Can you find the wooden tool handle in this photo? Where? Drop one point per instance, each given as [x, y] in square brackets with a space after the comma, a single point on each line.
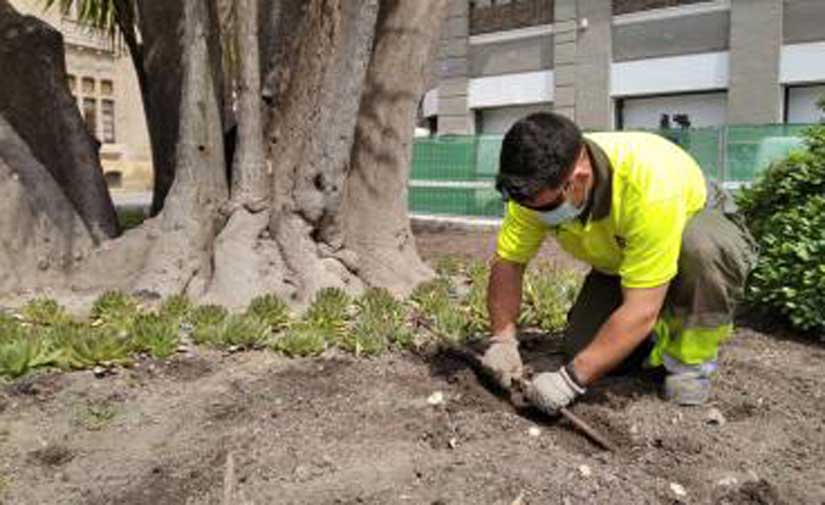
[588, 430]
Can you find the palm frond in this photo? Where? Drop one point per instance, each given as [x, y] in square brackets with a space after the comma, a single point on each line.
[97, 14]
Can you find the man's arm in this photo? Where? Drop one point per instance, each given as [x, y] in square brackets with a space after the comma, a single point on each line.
[504, 297]
[626, 328]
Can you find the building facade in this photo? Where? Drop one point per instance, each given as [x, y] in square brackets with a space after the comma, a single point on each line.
[628, 63]
[102, 79]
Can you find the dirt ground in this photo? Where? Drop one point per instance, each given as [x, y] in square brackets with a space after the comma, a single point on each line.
[256, 428]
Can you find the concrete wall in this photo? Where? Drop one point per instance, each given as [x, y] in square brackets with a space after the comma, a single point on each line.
[599, 51]
[565, 31]
[511, 89]
[133, 132]
[803, 63]
[699, 33]
[675, 74]
[453, 113]
[804, 21]
[594, 54]
[511, 56]
[754, 94]
[498, 120]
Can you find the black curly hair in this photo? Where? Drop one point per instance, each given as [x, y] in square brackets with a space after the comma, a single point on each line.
[538, 152]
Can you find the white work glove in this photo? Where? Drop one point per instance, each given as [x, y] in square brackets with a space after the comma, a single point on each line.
[502, 361]
[552, 391]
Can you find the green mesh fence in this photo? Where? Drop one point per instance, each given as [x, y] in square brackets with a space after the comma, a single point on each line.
[750, 149]
[454, 175]
[703, 144]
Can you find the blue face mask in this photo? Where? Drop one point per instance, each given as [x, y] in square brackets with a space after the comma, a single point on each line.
[562, 214]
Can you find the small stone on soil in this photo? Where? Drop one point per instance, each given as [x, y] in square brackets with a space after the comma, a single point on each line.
[436, 398]
[728, 482]
[715, 417]
[585, 471]
[678, 489]
[453, 443]
[534, 432]
[102, 371]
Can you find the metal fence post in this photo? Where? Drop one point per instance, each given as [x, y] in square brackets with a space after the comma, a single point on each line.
[722, 169]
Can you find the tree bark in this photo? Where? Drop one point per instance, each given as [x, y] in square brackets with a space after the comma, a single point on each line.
[180, 258]
[42, 234]
[326, 110]
[317, 81]
[36, 102]
[245, 263]
[162, 54]
[377, 226]
[250, 184]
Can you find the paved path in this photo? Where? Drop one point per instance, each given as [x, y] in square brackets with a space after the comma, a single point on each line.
[132, 200]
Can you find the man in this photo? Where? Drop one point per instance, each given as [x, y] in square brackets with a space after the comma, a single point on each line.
[666, 270]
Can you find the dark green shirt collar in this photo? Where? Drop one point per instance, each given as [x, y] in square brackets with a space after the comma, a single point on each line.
[602, 194]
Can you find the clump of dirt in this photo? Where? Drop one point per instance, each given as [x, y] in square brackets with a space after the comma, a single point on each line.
[52, 455]
[186, 369]
[741, 411]
[759, 492]
[224, 410]
[39, 386]
[603, 418]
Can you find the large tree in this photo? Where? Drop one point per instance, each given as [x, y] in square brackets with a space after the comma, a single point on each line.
[325, 95]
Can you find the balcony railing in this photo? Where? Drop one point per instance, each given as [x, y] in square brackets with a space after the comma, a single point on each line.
[509, 16]
[629, 6]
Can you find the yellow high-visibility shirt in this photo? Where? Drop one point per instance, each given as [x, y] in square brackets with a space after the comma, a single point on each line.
[635, 223]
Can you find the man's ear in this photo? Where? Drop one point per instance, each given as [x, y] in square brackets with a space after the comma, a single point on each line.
[584, 167]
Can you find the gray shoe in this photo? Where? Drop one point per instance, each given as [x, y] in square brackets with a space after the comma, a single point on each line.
[687, 388]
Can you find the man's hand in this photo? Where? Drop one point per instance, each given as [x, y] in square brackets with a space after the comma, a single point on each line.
[552, 391]
[624, 330]
[502, 361]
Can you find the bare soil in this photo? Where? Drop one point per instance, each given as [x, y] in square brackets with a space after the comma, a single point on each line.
[213, 428]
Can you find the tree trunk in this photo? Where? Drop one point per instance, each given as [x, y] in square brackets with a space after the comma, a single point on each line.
[162, 54]
[377, 226]
[319, 79]
[242, 256]
[250, 184]
[325, 110]
[190, 220]
[42, 234]
[36, 103]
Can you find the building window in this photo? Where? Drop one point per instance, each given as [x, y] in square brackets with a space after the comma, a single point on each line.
[114, 179]
[88, 85]
[90, 115]
[106, 87]
[71, 81]
[107, 118]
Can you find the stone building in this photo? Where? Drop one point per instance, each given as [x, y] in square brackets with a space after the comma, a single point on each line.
[102, 79]
[628, 63]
